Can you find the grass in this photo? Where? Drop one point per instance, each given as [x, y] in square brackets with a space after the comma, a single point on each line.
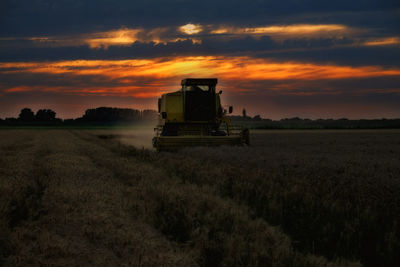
[294, 198]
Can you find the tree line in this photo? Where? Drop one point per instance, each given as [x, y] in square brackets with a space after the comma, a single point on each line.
[96, 116]
[257, 122]
[111, 116]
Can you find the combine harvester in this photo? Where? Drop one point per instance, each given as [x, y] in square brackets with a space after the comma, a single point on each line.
[193, 116]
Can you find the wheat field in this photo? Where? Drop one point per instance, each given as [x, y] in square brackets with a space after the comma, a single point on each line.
[292, 198]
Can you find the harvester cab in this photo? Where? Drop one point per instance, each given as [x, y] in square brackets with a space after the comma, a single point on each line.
[199, 99]
[193, 116]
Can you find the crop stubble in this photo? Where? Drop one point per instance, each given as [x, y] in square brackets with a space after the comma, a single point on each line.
[293, 198]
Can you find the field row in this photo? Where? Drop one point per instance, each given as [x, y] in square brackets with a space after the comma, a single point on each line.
[72, 198]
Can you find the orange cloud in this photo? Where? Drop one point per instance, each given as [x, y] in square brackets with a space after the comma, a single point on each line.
[383, 41]
[228, 67]
[289, 31]
[118, 37]
[125, 77]
[121, 37]
[19, 89]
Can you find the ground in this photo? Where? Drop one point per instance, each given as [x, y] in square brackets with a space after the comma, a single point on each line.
[292, 198]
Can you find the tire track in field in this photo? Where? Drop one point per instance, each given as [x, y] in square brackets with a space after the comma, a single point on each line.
[156, 250]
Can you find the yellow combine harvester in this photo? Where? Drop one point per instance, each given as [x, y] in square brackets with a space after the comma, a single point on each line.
[193, 116]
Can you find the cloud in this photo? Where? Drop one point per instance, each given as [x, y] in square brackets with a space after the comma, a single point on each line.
[191, 29]
[230, 67]
[320, 51]
[75, 16]
[121, 37]
[387, 56]
[383, 41]
[308, 42]
[288, 31]
[125, 36]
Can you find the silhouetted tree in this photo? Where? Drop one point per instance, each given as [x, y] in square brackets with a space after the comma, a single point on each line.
[106, 114]
[257, 118]
[45, 115]
[244, 113]
[26, 115]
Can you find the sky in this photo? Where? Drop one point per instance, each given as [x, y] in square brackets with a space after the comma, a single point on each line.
[278, 59]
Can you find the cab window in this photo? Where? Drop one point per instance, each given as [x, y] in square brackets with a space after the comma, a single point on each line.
[197, 88]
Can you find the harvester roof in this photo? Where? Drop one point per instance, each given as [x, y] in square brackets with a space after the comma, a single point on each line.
[200, 81]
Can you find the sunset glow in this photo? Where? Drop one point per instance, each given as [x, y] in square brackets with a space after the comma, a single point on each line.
[228, 68]
[124, 77]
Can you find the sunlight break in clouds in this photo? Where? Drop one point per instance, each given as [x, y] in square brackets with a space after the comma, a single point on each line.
[191, 28]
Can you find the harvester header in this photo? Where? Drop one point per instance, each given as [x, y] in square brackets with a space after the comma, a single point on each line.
[194, 116]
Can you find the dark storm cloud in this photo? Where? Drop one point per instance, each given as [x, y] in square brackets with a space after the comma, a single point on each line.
[322, 51]
[353, 56]
[24, 23]
[136, 50]
[385, 20]
[23, 17]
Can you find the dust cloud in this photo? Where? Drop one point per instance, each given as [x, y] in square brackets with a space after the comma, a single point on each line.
[139, 138]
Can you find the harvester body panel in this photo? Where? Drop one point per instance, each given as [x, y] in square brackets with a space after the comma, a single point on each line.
[172, 104]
